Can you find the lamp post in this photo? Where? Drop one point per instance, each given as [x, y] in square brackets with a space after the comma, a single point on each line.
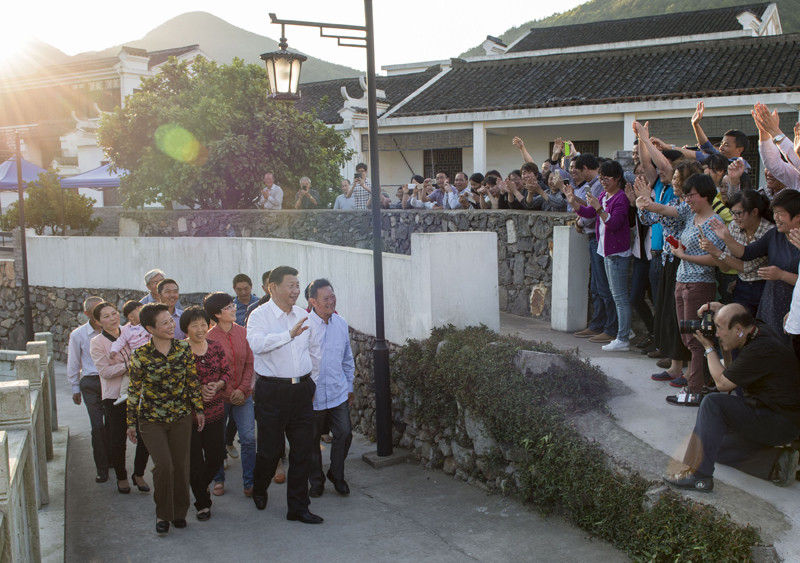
[27, 310]
[286, 62]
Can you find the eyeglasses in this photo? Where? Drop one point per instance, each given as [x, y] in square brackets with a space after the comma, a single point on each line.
[230, 307]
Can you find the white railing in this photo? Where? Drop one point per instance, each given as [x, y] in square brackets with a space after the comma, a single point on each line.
[27, 413]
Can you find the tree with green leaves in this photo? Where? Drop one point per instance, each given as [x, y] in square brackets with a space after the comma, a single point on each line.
[203, 135]
[49, 205]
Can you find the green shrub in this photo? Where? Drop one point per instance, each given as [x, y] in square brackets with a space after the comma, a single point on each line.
[559, 470]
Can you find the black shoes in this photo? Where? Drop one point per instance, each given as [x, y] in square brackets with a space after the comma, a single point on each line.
[162, 527]
[341, 486]
[315, 491]
[123, 490]
[204, 514]
[260, 500]
[304, 517]
[102, 476]
[179, 523]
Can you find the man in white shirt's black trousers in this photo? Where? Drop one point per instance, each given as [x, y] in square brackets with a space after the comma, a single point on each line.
[284, 391]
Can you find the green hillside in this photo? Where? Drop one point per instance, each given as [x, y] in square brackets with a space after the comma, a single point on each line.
[598, 10]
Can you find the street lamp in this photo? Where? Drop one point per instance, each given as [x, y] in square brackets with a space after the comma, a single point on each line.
[380, 352]
[283, 70]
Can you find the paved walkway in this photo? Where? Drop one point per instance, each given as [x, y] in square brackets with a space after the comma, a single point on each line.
[401, 513]
[639, 407]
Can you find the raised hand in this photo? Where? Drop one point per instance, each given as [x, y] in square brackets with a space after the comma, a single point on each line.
[642, 188]
[518, 142]
[659, 144]
[698, 113]
[707, 246]
[593, 201]
[736, 169]
[298, 329]
[794, 237]
[766, 121]
[719, 228]
[797, 138]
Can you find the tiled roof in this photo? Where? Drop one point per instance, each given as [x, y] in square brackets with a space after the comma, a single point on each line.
[158, 57]
[636, 29]
[397, 88]
[703, 68]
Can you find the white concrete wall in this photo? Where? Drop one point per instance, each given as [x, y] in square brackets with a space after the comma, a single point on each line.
[413, 303]
[394, 170]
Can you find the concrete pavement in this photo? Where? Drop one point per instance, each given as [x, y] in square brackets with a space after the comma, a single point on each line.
[646, 432]
[399, 513]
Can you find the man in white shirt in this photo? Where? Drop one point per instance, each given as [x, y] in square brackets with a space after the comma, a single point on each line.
[333, 371]
[284, 391]
[271, 194]
[84, 379]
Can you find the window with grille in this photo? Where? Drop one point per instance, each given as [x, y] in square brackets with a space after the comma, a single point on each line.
[750, 155]
[448, 161]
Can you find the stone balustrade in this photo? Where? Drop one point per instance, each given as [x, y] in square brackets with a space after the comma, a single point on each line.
[27, 415]
[19, 472]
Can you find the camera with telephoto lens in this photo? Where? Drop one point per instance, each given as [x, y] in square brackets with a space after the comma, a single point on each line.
[704, 324]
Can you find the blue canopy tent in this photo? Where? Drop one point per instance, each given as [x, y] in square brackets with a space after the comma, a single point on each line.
[8, 173]
[98, 178]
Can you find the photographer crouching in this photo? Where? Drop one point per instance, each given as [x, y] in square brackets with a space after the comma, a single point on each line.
[742, 429]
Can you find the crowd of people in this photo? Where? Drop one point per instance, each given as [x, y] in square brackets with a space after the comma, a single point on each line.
[181, 383]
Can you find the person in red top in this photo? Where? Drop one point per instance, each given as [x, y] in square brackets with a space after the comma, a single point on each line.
[214, 374]
[221, 309]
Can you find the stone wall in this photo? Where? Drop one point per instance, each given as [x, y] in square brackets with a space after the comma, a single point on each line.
[59, 311]
[524, 237]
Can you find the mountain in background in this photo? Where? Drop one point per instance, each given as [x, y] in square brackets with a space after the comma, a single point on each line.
[600, 10]
[222, 42]
[36, 54]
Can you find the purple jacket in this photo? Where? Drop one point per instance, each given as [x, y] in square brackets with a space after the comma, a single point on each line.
[618, 230]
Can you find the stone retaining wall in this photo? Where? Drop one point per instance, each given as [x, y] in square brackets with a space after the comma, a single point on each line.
[524, 241]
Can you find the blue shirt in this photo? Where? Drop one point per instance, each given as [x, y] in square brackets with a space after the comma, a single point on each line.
[332, 360]
[176, 316]
[663, 195]
[241, 309]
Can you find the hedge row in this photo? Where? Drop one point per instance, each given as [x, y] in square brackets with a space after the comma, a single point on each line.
[562, 472]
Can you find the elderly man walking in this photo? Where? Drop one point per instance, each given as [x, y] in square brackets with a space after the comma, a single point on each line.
[332, 371]
[85, 381]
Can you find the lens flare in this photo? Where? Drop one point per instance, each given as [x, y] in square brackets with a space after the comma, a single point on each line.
[178, 143]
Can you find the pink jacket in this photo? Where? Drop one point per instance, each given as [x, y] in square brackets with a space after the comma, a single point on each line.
[239, 355]
[111, 372]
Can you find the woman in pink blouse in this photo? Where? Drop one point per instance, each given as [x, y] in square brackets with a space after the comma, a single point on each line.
[111, 374]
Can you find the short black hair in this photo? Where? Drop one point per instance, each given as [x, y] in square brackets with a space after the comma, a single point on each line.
[494, 173]
[316, 285]
[672, 154]
[265, 277]
[529, 167]
[361, 166]
[213, 303]
[477, 177]
[129, 307]
[446, 175]
[416, 178]
[191, 314]
[788, 200]
[613, 169]
[716, 162]
[515, 173]
[490, 180]
[739, 138]
[239, 278]
[147, 318]
[586, 160]
[462, 173]
[277, 274]
[99, 307]
[164, 282]
[703, 185]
